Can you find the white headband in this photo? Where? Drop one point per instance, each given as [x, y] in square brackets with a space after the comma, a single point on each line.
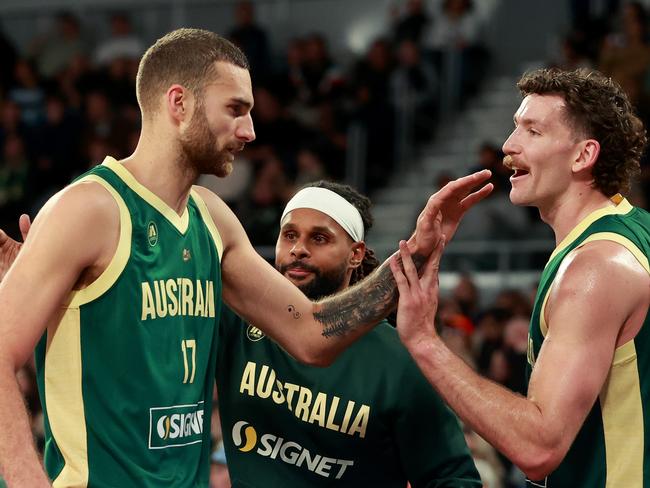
[330, 203]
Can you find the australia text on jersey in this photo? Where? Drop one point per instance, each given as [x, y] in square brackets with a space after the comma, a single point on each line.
[319, 409]
[177, 296]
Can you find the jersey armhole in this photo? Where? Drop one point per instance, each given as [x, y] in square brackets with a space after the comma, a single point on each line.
[209, 222]
[118, 262]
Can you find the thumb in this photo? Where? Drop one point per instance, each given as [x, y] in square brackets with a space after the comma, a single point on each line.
[24, 223]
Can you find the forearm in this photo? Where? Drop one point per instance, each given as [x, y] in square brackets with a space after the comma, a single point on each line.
[513, 424]
[19, 463]
[351, 313]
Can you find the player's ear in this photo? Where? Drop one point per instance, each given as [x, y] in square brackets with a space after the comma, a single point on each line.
[178, 103]
[588, 155]
[357, 253]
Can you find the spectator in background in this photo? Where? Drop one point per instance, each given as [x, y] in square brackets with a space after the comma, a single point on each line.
[251, 39]
[101, 120]
[411, 24]
[626, 55]
[9, 57]
[27, 92]
[371, 92]
[322, 76]
[414, 90]
[57, 158]
[123, 43]
[457, 52]
[53, 52]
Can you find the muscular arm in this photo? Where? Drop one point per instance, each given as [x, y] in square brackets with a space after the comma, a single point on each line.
[594, 306]
[45, 271]
[321, 330]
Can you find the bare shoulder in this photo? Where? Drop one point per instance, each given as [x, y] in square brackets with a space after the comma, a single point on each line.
[602, 264]
[600, 285]
[84, 214]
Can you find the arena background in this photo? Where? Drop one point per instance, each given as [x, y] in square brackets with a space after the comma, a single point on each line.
[392, 97]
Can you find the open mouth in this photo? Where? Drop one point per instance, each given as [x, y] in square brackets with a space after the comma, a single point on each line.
[518, 173]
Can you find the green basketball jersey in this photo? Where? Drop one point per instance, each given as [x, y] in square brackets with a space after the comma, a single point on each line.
[369, 419]
[126, 377]
[610, 448]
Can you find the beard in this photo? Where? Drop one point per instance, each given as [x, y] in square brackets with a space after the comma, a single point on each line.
[322, 284]
[199, 150]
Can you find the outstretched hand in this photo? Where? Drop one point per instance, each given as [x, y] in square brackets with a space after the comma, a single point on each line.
[453, 200]
[9, 248]
[418, 296]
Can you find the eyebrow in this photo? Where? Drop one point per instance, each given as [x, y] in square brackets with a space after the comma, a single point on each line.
[527, 121]
[312, 230]
[242, 101]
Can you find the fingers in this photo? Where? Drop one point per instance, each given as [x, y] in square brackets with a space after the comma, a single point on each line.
[432, 266]
[473, 198]
[458, 189]
[410, 271]
[400, 279]
[24, 223]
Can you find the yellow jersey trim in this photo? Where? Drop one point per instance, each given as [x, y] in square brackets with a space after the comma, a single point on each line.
[621, 207]
[180, 222]
[599, 236]
[112, 272]
[209, 222]
[64, 399]
[623, 241]
[622, 414]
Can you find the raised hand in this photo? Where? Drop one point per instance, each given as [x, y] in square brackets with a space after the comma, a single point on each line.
[418, 296]
[453, 200]
[9, 248]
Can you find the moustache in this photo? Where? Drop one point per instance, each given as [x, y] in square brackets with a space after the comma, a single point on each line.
[300, 265]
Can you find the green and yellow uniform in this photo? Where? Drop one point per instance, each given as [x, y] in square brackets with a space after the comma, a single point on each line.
[126, 377]
[369, 419]
[610, 449]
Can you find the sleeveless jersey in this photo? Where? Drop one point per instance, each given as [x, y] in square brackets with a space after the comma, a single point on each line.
[369, 419]
[610, 448]
[126, 377]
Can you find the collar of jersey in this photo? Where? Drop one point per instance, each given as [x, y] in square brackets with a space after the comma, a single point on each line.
[180, 222]
[621, 207]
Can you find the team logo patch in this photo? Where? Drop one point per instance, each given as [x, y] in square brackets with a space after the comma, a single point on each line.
[152, 234]
[175, 426]
[186, 255]
[254, 334]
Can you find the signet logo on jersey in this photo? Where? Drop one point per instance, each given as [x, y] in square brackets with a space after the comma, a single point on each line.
[176, 426]
[271, 446]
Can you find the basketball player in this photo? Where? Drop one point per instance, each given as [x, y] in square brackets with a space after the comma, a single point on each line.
[575, 146]
[369, 419]
[120, 284]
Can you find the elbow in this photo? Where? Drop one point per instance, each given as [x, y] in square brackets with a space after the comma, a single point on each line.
[318, 357]
[538, 463]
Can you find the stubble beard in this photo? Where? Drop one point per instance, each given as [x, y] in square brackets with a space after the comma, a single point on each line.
[199, 152]
[322, 284]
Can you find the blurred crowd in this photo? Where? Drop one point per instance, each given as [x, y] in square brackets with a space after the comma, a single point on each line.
[613, 36]
[65, 103]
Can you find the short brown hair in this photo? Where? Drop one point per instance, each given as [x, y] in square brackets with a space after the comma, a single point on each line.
[184, 56]
[596, 107]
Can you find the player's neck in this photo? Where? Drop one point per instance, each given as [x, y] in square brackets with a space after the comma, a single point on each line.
[568, 210]
[155, 164]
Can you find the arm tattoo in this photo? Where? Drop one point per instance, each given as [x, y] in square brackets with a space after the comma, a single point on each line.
[364, 304]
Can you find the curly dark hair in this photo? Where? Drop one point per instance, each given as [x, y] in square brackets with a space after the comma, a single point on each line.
[596, 107]
[362, 204]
